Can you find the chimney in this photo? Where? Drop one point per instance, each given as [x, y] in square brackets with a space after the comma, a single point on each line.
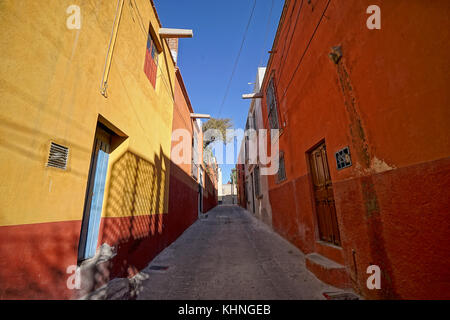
[173, 46]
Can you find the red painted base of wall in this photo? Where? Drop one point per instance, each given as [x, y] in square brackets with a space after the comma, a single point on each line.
[398, 220]
[209, 202]
[139, 239]
[292, 213]
[34, 260]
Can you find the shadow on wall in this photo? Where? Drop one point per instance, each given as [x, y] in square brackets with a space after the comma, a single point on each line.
[139, 222]
[34, 259]
[26, 142]
[134, 212]
[209, 194]
[183, 201]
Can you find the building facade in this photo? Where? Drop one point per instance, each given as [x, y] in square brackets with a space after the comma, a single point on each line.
[219, 185]
[364, 174]
[86, 167]
[240, 172]
[256, 184]
[185, 189]
[211, 176]
[229, 193]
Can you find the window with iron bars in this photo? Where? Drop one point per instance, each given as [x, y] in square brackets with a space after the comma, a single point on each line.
[281, 168]
[272, 105]
[195, 156]
[246, 140]
[256, 182]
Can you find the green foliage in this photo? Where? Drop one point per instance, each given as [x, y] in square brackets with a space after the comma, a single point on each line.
[233, 176]
[218, 124]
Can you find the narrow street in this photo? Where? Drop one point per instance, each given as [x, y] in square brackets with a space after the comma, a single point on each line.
[229, 255]
[224, 150]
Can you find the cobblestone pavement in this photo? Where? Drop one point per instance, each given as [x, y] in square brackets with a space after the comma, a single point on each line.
[229, 255]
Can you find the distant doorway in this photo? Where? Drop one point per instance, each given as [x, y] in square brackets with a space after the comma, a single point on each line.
[253, 192]
[200, 193]
[94, 194]
[324, 196]
[200, 200]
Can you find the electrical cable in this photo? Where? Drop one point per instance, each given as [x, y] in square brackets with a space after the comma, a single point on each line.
[267, 33]
[288, 23]
[237, 58]
[299, 63]
[303, 55]
[290, 41]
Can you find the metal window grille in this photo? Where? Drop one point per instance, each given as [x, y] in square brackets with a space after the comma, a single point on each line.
[272, 106]
[281, 168]
[343, 159]
[246, 150]
[257, 185]
[195, 156]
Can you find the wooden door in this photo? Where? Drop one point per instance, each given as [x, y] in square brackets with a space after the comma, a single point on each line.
[94, 195]
[323, 196]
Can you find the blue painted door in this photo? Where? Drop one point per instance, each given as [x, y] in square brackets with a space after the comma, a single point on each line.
[95, 193]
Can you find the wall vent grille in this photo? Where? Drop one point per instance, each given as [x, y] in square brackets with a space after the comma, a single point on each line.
[58, 156]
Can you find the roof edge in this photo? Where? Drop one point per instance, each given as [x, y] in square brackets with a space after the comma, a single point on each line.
[183, 88]
[275, 40]
[152, 3]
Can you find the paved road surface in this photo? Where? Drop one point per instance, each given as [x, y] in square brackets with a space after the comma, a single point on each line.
[230, 255]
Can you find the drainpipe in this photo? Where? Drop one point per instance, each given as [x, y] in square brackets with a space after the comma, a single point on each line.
[112, 42]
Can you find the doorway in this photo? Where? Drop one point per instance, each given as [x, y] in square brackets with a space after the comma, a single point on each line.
[324, 196]
[253, 192]
[200, 193]
[200, 200]
[94, 194]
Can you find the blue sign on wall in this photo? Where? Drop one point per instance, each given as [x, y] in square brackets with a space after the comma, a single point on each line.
[343, 159]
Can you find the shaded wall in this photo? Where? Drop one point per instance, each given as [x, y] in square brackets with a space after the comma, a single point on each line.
[210, 193]
[386, 99]
[242, 201]
[183, 194]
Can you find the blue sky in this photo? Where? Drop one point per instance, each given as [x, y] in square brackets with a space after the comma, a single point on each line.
[206, 61]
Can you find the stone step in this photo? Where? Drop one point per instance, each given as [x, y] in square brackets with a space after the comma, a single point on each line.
[328, 271]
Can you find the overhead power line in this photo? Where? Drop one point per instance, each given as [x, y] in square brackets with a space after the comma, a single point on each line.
[294, 73]
[237, 58]
[267, 33]
[304, 52]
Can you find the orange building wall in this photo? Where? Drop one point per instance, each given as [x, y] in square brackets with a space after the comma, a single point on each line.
[183, 194]
[210, 194]
[388, 100]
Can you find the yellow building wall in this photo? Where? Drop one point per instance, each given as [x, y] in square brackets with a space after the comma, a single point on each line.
[50, 80]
